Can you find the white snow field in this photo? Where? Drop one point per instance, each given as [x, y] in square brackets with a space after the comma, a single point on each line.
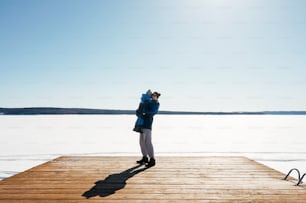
[277, 141]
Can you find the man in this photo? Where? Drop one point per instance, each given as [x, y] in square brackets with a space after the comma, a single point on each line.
[150, 108]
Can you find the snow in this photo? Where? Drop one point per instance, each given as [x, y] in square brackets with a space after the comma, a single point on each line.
[277, 141]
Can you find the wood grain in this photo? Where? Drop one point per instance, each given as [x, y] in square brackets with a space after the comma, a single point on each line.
[174, 179]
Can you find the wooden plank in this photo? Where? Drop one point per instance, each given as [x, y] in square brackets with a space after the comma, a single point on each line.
[173, 179]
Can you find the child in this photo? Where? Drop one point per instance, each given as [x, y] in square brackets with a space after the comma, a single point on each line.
[139, 122]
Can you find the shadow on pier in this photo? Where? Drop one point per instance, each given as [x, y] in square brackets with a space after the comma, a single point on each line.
[112, 183]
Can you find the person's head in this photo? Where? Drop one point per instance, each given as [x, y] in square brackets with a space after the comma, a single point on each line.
[155, 95]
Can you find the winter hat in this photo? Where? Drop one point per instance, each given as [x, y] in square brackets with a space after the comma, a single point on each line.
[156, 93]
[149, 92]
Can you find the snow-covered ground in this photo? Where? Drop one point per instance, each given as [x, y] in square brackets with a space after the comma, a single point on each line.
[277, 141]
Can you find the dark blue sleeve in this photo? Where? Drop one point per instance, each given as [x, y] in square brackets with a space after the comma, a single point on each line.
[139, 111]
[151, 108]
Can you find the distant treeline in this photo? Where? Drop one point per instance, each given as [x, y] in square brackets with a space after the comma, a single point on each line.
[55, 111]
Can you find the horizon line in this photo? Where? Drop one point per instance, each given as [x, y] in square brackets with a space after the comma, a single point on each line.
[73, 110]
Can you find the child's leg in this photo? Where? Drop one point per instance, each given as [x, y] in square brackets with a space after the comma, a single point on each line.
[139, 121]
[138, 124]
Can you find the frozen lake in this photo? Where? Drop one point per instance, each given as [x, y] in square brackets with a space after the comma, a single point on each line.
[277, 141]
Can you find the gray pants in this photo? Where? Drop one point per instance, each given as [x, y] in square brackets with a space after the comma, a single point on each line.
[145, 141]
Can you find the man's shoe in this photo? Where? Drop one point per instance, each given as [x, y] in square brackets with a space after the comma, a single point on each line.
[144, 160]
[151, 163]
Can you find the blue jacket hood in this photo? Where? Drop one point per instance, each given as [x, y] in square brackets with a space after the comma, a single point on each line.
[145, 97]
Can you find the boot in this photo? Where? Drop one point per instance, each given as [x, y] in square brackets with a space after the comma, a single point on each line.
[137, 129]
[144, 160]
[151, 163]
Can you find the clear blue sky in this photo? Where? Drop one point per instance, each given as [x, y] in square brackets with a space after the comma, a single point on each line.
[202, 55]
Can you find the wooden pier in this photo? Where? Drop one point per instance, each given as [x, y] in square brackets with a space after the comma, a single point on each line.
[174, 179]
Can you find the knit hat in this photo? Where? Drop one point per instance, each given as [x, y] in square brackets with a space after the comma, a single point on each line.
[149, 92]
